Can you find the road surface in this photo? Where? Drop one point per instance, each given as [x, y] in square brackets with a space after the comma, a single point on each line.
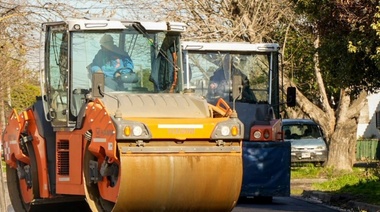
[279, 204]
[284, 204]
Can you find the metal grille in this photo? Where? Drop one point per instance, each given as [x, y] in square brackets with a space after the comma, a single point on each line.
[63, 158]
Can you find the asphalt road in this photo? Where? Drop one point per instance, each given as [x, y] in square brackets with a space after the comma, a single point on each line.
[284, 204]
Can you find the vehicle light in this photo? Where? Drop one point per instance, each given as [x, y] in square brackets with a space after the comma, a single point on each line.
[225, 131]
[229, 129]
[266, 134]
[257, 134]
[137, 131]
[234, 131]
[77, 27]
[127, 131]
[319, 147]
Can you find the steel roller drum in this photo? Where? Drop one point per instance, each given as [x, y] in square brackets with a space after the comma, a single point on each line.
[179, 181]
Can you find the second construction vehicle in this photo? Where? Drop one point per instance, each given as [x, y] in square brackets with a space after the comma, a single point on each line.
[123, 134]
[214, 70]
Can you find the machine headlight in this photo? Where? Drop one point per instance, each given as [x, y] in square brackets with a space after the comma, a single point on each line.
[76, 27]
[230, 129]
[131, 130]
[225, 131]
[257, 134]
[137, 131]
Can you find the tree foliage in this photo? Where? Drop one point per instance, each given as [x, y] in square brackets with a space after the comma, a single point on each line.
[376, 26]
[22, 96]
[348, 42]
[345, 47]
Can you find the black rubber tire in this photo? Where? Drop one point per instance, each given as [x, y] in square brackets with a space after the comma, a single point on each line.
[14, 191]
[34, 170]
[14, 184]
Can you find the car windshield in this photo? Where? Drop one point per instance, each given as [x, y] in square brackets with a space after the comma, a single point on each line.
[302, 131]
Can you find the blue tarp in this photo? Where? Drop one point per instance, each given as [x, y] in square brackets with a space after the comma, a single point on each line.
[266, 169]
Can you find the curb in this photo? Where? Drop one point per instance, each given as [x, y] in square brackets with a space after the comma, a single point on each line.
[341, 200]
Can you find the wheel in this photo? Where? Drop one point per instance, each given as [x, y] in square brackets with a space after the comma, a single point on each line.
[33, 170]
[14, 190]
[21, 192]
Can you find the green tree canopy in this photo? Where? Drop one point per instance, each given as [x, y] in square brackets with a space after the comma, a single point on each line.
[348, 43]
[24, 96]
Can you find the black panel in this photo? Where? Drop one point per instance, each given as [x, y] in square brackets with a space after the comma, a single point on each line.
[46, 131]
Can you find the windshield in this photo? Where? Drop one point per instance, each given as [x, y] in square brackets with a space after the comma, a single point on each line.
[130, 61]
[210, 75]
[302, 131]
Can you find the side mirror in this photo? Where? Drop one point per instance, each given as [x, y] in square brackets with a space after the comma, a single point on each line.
[237, 87]
[98, 84]
[291, 96]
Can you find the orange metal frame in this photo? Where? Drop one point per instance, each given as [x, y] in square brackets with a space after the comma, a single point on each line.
[103, 146]
[12, 151]
[73, 182]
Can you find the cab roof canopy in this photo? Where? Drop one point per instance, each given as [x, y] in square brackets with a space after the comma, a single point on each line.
[101, 24]
[230, 46]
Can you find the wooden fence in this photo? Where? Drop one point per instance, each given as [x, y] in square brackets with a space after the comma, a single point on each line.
[367, 149]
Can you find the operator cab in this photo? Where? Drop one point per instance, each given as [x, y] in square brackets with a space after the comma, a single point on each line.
[210, 68]
[69, 63]
[213, 69]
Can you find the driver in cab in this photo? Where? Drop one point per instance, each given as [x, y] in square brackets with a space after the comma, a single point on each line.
[112, 61]
[219, 86]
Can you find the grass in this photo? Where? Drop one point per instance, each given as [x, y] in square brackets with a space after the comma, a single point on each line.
[297, 191]
[306, 171]
[362, 184]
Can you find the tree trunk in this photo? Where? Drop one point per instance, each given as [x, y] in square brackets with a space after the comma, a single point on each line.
[342, 145]
[339, 126]
[343, 140]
